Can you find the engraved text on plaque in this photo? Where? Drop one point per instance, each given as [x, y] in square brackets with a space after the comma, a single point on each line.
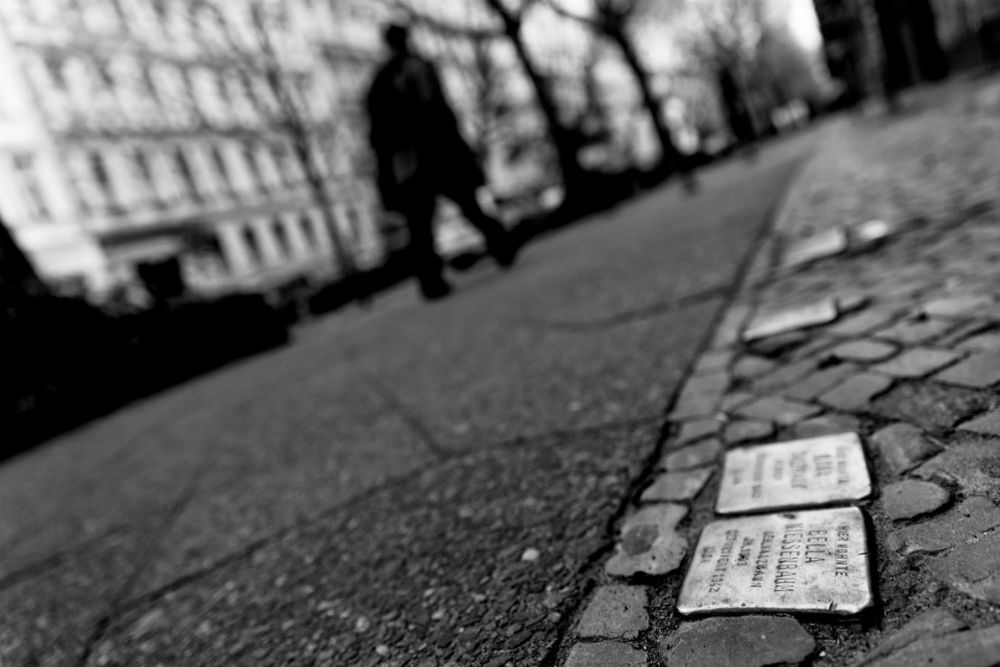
[813, 561]
[800, 473]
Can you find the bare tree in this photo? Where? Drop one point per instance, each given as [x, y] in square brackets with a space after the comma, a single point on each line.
[727, 33]
[613, 19]
[285, 108]
[784, 69]
[750, 50]
[726, 39]
[509, 18]
[485, 82]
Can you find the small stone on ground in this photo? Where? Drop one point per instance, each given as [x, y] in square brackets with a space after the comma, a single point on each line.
[979, 370]
[861, 324]
[778, 410]
[969, 520]
[792, 319]
[716, 360]
[825, 244]
[605, 654]
[819, 382]
[982, 342]
[855, 393]
[971, 648]
[864, 350]
[915, 332]
[743, 430]
[988, 424]
[650, 542]
[973, 464]
[957, 305]
[912, 498]
[615, 612]
[742, 641]
[697, 429]
[927, 624]
[751, 366]
[693, 456]
[683, 485]
[904, 446]
[971, 568]
[827, 425]
[918, 362]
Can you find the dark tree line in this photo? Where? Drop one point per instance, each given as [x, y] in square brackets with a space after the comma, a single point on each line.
[611, 20]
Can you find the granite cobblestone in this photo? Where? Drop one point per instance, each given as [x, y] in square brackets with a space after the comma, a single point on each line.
[917, 341]
[854, 394]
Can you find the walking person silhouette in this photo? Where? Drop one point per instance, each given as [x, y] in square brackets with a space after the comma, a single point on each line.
[420, 154]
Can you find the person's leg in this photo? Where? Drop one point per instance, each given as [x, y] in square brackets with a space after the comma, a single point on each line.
[498, 240]
[424, 260]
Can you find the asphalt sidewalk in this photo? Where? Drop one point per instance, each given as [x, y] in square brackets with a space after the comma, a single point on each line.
[407, 485]
[871, 309]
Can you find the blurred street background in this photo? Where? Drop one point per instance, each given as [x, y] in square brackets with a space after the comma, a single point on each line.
[231, 432]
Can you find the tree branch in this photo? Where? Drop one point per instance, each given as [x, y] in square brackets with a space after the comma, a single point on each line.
[448, 28]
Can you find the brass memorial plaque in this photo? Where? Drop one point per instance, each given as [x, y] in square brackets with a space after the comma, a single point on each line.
[764, 325]
[811, 562]
[799, 473]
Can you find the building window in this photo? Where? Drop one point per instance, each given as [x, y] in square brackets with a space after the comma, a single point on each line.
[146, 174]
[150, 85]
[24, 167]
[104, 75]
[252, 243]
[220, 166]
[222, 90]
[253, 166]
[99, 171]
[187, 177]
[281, 236]
[55, 70]
[308, 231]
[353, 218]
[279, 155]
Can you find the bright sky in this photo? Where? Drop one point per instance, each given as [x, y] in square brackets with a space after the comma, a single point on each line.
[801, 17]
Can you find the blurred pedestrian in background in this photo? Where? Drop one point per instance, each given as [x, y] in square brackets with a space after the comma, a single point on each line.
[421, 154]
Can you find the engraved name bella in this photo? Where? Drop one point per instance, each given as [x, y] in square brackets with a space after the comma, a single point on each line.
[799, 545]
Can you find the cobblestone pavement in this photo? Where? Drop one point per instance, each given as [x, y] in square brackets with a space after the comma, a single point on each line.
[873, 309]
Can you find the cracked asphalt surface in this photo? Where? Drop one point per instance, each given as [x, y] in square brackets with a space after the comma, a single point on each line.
[411, 484]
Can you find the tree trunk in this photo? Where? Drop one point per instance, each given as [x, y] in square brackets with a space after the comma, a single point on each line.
[563, 139]
[931, 60]
[670, 157]
[910, 42]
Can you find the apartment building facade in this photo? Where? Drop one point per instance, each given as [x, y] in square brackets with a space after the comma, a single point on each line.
[138, 131]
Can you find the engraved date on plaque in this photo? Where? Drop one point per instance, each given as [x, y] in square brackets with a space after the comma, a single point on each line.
[800, 473]
[813, 562]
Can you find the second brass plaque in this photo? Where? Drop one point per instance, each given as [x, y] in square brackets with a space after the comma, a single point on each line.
[800, 473]
[812, 562]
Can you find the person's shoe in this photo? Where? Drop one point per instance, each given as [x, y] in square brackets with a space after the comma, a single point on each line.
[434, 290]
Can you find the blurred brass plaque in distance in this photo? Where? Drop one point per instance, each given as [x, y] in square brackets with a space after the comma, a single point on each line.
[795, 474]
[809, 562]
[772, 324]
